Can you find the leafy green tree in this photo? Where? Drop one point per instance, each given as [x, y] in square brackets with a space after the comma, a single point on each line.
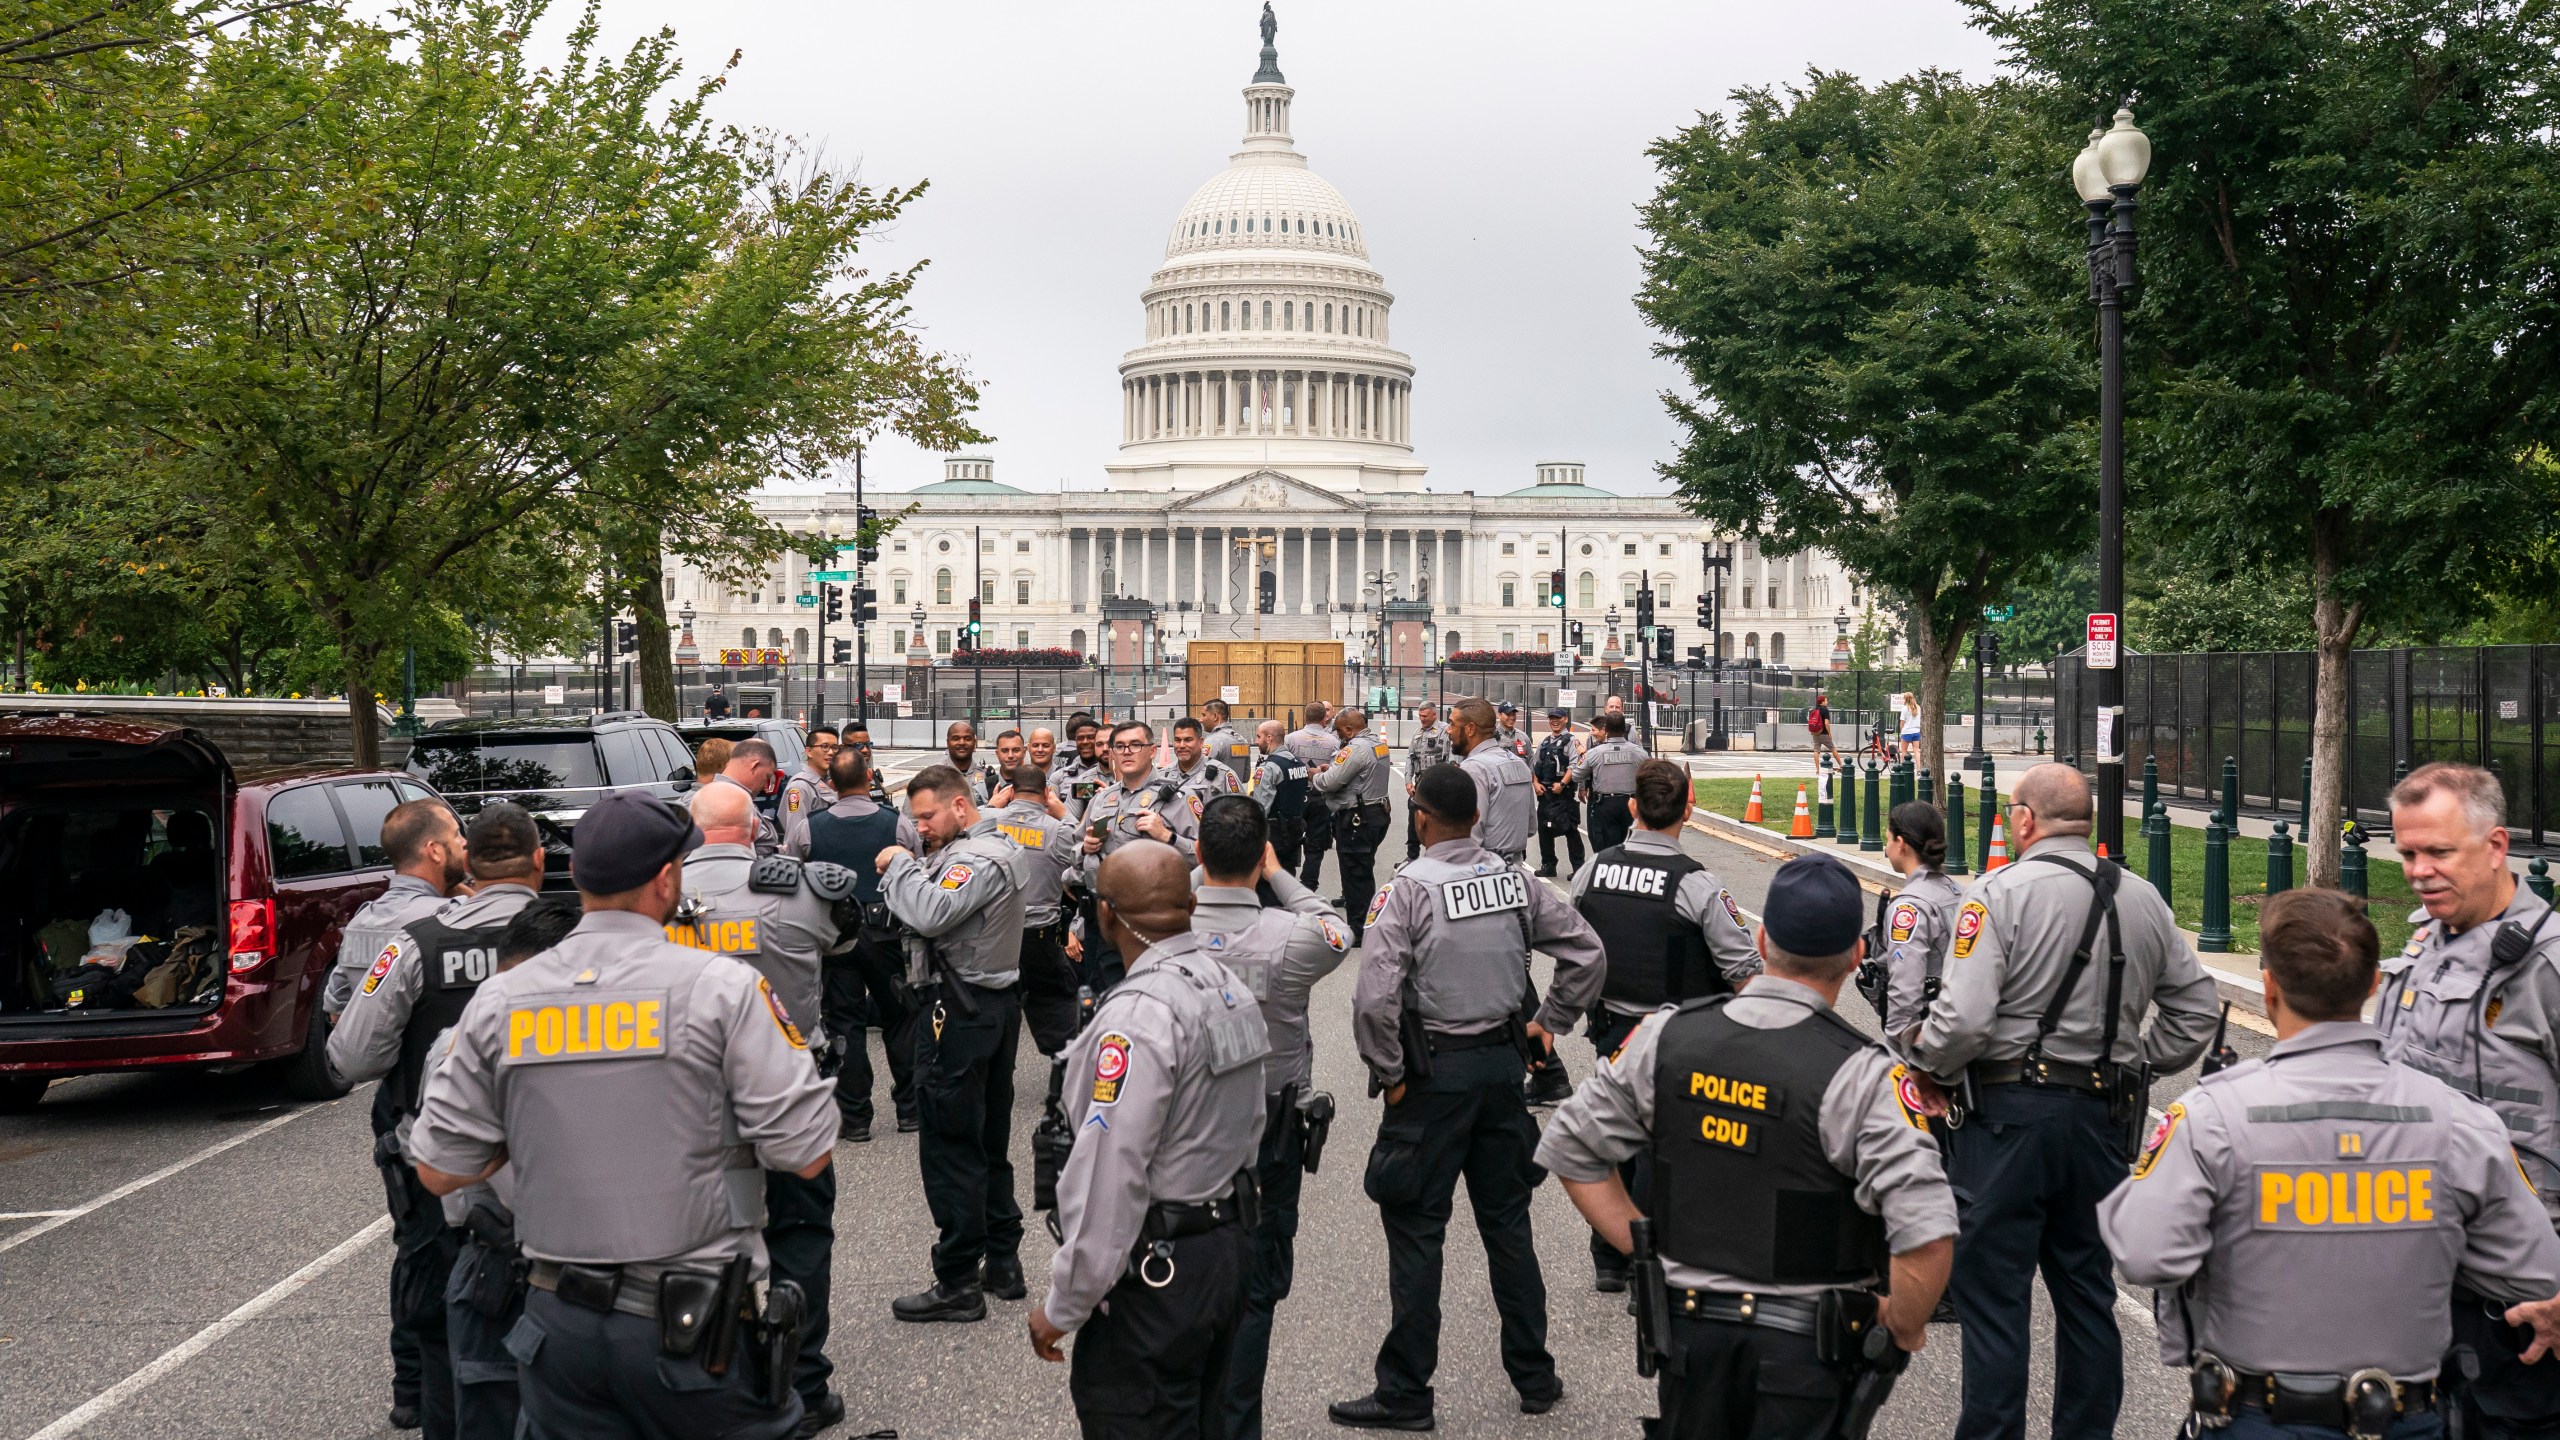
[1876, 372]
[2343, 352]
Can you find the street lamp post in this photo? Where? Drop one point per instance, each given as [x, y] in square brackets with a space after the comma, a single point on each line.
[2107, 176]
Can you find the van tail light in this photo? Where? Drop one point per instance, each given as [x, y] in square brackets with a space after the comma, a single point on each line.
[253, 934]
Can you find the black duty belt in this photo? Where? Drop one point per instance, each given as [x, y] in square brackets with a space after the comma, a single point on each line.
[2319, 1399]
[630, 1289]
[1613, 794]
[2081, 1078]
[1054, 930]
[1442, 1044]
[1178, 1219]
[1795, 1314]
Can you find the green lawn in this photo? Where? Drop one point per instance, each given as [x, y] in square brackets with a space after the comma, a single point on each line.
[2390, 893]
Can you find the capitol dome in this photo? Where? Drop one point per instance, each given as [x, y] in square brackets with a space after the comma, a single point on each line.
[1267, 331]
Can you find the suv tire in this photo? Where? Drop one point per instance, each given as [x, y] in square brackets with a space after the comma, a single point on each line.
[309, 1075]
[20, 1094]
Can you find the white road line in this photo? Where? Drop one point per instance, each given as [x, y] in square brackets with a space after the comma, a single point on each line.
[56, 1219]
[36, 1214]
[204, 1339]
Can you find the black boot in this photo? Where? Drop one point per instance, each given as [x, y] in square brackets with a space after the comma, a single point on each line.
[939, 1303]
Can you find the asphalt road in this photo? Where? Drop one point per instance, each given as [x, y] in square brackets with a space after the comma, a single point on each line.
[197, 1256]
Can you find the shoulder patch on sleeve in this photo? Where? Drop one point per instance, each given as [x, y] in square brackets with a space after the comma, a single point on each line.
[382, 964]
[1969, 922]
[791, 798]
[957, 876]
[827, 879]
[2523, 1174]
[781, 1017]
[1379, 750]
[1906, 1093]
[1336, 938]
[1195, 807]
[1905, 916]
[2159, 1140]
[1110, 1067]
[774, 875]
[1733, 912]
[1378, 902]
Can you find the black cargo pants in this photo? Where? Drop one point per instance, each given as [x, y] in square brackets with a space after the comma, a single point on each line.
[588, 1375]
[1357, 835]
[1152, 1362]
[865, 986]
[964, 1094]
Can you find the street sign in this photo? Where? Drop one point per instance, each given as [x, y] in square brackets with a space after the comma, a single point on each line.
[555, 694]
[1997, 613]
[2102, 642]
[893, 693]
[759, 656]
[830, 577]
[804, 599]
[1564, 699]
[1232, 694]
[1564, 662]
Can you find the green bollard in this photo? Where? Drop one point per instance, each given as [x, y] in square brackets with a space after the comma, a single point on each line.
[2039, 739]
[2150, 788]
[1826, 786]
[1928, 792]
[1897, 786]
[2537, 878]
[1990, 810]
[1848, 828]
[1955, 825]
[2351, 861]
[2279, 861]
[2230, 812]
[2306, 797]
[2214, 936]
[1871, 827]
[2156, 836]
[2399, 771]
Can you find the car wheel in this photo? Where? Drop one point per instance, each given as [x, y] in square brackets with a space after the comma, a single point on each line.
[309, 1075]
[20, 1094]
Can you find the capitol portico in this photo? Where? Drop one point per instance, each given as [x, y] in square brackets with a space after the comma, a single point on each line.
[1267, 484]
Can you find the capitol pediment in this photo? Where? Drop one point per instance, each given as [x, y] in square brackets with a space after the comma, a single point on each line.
[1262, 492]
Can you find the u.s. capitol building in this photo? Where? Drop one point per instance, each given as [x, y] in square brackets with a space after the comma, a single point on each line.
[1267, 464]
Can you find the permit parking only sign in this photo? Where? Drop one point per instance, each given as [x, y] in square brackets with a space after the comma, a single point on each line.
[2102, 642]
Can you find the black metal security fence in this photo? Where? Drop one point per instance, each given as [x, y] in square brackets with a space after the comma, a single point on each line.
[2493, 706]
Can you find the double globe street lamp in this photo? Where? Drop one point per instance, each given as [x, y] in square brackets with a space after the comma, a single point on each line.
[2107, 175]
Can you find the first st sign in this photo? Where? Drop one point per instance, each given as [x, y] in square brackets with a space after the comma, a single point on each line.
[2102, 642]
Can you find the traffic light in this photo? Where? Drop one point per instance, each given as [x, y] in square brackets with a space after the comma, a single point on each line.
[626, 636]
[1555, 589]
[1644, 608]
[1663, 653]
[864, 517]
[1697, 657]
[832, 602]
[1706, 609]
[1991, 648]
[1573, 633]
[866, 605]
[969, 632]
[844, 652]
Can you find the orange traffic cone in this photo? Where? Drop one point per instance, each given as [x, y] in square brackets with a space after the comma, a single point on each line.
[1999, 845]
[1752, 813]
[1802, 826]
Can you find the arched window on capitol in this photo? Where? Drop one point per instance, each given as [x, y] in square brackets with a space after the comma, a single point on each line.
[942, 586]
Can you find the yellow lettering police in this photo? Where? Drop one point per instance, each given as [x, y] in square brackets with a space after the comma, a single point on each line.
[728, 937]
[1720, 1090]
[603, 1027]
[2332, 1198]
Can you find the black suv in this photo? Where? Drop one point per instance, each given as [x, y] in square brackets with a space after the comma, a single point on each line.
[555, 768]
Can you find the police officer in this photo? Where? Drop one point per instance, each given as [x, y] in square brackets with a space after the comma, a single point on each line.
[413, 993]
[2311, 1215]
[1223, 744]
[428, 860]
[1429, 747]
[965, 907]
[960, 752]
[1354, 788]
[865, 975]
[618, 1058]
[2038, 1042]
[1506, 795]
[485, 1297]
[1151, 1270]
[807, 793]
[1042, 753]
[1449, 945]
[1672, 933]
[1201, 778]
[1050, 853]
[1607, 773]
[750, 768]
[1790, 1176]
[1011, 749]
[1076, 782]
[2474, 1000]
[1913, 942]
[1280, 786]
[1315, 743]
[1137, 804]
[1559, 809]
[782, 917]
[1507, 730]
[1279, 953]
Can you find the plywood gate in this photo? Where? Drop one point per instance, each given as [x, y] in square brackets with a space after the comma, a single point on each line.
[1274, 679]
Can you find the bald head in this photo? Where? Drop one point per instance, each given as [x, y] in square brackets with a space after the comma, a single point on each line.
[2058, 796]
[1145, 887]
[1350, 720]
[725, 815]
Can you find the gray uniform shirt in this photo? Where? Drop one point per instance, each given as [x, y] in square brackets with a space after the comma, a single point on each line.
[1358, 775]
[1207, 780]
[1867, 1133]
[1165, 1094]
[1513, 739]
[639, 1095]
[1702, 901]
[1430, 747]
[1506, 799]
[365, 1044]
[1468, 973]
[1609, 768]
[2433, 1016]
[1917, 926]
[803, 795]
[371, 930]
[1314, 744]
[963, 901]
[2310, 1233]
[1116, 808]
[1280, 955]
[1049, 855]
[786, 937]
[2013, 938]
[1228, 748]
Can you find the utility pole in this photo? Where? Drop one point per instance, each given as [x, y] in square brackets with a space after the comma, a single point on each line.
[861, 578]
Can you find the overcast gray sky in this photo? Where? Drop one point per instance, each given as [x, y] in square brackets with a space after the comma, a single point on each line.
[1494, 152]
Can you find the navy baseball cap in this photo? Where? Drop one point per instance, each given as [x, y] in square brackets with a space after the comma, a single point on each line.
[1813, 907]
[1507, 708]
[626, 838]
[1559, 713]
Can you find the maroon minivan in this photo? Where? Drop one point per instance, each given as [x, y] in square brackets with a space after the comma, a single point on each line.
[157, 909]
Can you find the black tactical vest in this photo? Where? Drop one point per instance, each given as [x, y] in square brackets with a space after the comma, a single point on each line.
[1289, 800]
[453, 960]
[854, 842]
[1654, 957]
[1741, 1185]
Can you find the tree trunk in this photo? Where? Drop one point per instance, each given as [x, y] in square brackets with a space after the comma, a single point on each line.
[2336, 623]
[1937, 654]
[643, 571]
[364, 717]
